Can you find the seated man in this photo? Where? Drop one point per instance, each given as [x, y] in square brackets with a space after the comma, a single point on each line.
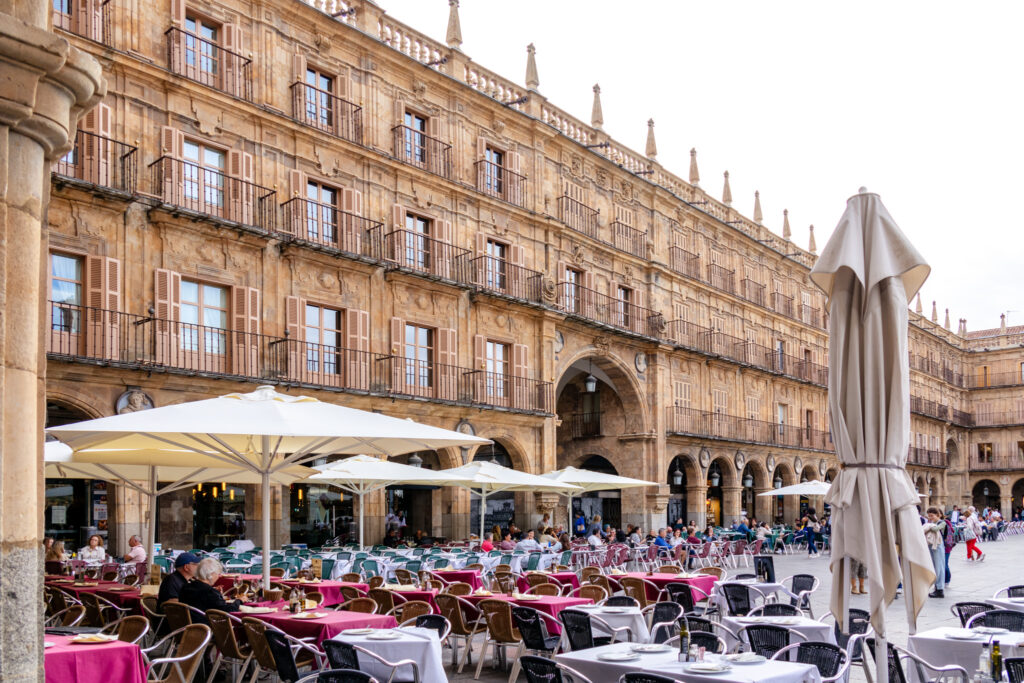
[661, 541]
[594, 539]
[201, 594]
[184, 569]
[528, 543]
[136, 553]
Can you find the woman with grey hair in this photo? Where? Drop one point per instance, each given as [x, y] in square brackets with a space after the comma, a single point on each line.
[201, 593]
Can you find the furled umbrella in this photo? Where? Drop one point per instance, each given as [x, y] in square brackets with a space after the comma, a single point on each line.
[262, 431]
[589, 480]
[870, 271]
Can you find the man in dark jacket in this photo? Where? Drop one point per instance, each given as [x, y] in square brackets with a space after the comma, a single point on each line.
[201, 594]
[184, 569]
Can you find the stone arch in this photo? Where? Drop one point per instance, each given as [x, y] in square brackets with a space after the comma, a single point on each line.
[953, 453]
[809, 472]
[786, 470]
[832, 473]
[515, 450]
[622, 379]
[77, 401]
[617, 459]
[1016, 495]
[759, 471]
[687, 463]
[985, 493]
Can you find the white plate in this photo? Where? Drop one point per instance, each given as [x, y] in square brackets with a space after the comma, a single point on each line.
[93, 639]
[964, 634]
[618, 656]
[384, 635]
[256, 610]
[357, 631]
[614, 610]
[47, 644]
[587, 607]
[746, 658]
[651, 647]
[990, 630]
[705, 668]
[310, 615]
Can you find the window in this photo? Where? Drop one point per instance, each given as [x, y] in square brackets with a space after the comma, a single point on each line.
[62, 10]
[984, 377]
[782, 411]
[494, 169]
[1020, 449]
[419, 356]
[417, 241]
[319, 106]
[415, 138]
[496, 272]
[321, 213]
[204, 176]
[66, 293]
[681, 394]
[753, 408]
[719, 401]
[809, 422]
[1021, 376]
[323, 329]
[571, 290]
[497, 369]
[780, 355]
[624, 297]
[204, 317]
[201, 51]
[984, 452]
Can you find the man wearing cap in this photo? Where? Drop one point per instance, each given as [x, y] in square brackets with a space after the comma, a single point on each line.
[184, 569]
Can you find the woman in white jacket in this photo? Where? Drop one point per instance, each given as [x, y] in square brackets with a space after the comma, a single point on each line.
[972, 531]
[934, 530]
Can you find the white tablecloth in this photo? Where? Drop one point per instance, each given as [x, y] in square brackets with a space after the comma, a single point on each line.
[1006, 603]
[418, 644]
[718, 598]
[935, 647]
[808, 628]
[667, 664]
[632, 618]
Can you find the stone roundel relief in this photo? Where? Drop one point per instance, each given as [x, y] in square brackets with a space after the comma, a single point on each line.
[641, 362]
[770, 463]
[705, 457]
[822, 467]
[740, 459]
[798, 465]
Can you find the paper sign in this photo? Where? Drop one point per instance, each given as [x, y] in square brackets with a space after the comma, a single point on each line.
[59, 514]
[317, 567]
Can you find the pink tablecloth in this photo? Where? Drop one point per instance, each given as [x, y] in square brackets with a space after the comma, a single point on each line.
[72, 588]
[470, 576]
[325, 627]
[559, 577]
[331, 590]
[425, 596]
[228, 580]
[548, 604]
[703, 583]
[116, 661]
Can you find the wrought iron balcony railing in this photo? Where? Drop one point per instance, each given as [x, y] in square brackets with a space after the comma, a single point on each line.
[684, 263]
[209, 63]
[213, 194]
[782, 304]
[421, 254]
[692, 422]
[327, 112]
[326, 225]
[87, 19]
[999, 418]
[628, 239]
[995, 463]
[501, 277]
[584, 425]
[752, 291]
[578, 216]
[722, 278]
[980, 380]
[810, 315]
[100, 161]
[416, 148]
[923, 406]
[600, 308]
[927, 457]
[497, 181]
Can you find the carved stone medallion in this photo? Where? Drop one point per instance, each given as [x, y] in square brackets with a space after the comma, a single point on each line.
[740, 459]
[705, 457]
[559, 341]
[641, 362]
[798, 465]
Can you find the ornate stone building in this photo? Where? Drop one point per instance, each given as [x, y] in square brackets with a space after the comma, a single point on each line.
[318, 197]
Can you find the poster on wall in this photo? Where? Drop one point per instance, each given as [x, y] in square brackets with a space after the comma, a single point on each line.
[58, 514]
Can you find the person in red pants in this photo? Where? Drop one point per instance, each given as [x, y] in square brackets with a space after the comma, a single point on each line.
[972, 531]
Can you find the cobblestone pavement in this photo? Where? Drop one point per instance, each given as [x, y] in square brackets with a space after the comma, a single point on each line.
[973, 581]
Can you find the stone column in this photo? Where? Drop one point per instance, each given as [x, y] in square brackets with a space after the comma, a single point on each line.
[696, 505]
[550, 503]
[763, 505]
[1006, 507]
[45, 86]
[730, 504]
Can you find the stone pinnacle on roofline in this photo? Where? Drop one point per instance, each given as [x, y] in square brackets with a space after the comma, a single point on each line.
[787, 232]
[935, 313]
[758, 216]
[812, 246]
[946, 325]
[651, 149]
[694, 173]
[596, 115]
[453, 37]
[726, 190]
[1002, 323]
[918, 309]
[532, 80]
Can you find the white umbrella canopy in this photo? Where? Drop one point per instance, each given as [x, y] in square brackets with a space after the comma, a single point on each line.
[804, 488]
[486, 477]
[870, 272]
[262, 431]
[362, 474]
[589, 480]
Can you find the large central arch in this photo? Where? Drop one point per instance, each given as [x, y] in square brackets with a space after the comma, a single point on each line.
[613, 371]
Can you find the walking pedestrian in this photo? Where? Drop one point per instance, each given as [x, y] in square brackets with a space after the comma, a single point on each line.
[812, 527]
[858, 572]
[949, 540]
[972, 530]
[934, 532]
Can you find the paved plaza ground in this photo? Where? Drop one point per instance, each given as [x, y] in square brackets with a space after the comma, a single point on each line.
[971, 581]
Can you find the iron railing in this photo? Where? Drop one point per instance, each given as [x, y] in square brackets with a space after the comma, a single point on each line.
[327, 112]
[495, 180]
[327, 225]
[995, 463]
[782, 304]
[90, 20]
[628, 239]
[964, 419]
[584, 425]
[752, 291]
[692, 422]
[927, 457]
[214, 194]
[684, 263]
[597, 307]
[938, 370]
[209, 63]
[979, 380]
[997, 418]
[810, 315]
[100, 161]
[579, 216]
[416, 148]
[501, 277]
[722, 278]
[421, 254]
[923, 406]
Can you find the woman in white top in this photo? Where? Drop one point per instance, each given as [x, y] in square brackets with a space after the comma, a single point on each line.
[676, 538]
[94, 552]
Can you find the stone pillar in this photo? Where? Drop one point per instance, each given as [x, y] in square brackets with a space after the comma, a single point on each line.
[730, 504]
[656, 508]
[696, 505]
[1006, 507]
[790, 508]
[45, 86]
[550, 503]
[763, 505]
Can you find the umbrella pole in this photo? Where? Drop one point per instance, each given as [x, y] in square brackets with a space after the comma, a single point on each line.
[360, 521]
[881, 650]
[568, 517]
[483, 512]
[151, 532]
[265, 486]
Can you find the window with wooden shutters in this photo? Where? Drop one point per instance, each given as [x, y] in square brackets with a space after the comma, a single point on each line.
[359, 361]
[719, 401]
[241, 191]
[90, 158]
[352, 225]
[245, 307]
[625, 314]
[495, 264]
[67, 289]
[203, 178]
[497, 363]
[416, 251]
[320, 110]
[417, 351]
[781, 417]
[414, 138]
[203, 60]
[572, 281]
[85, 296]
[681, 394]
[753, 408]
[323, 330]
[807, 310]
[167, 297]
[493, 172]
[64, 15]
[322, 213]
[203, 314]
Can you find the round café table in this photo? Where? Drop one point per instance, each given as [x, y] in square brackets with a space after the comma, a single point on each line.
[92, 663]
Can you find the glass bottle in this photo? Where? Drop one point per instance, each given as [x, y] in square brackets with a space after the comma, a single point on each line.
[997, 662]
[984, 661]
[684, 641]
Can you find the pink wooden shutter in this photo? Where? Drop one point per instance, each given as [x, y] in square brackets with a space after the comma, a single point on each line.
[167, 297]
[394, 241]
[588, 299]
[103, 142]
[172, 144]
[398, 355]
[357, 329]
[351, 223]
[177, 38]
[112, 303]
[561, 288]
[516, 274]
[480, 261]
[95, 284]
[447, 375]
[520, 377]
[295, 222]
[515, 184]
[240, 330]
[479, 368]
[231, 36]
[241, 191]
[299, 76]
[294, 309]
[483, 169]
[443, 254]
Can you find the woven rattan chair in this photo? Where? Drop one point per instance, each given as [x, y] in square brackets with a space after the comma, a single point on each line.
[766, 639]
[505, 582]
[1011, 592]
[1009, 619]
[602, 581]
[636, 588]
[352, 577]
[708, 641]
[315, 596]
[186, 646]
[718, 572]
[339, 652]
[405, 577]
[589, 571]
[132, 629]
[830, 660]
[497, 615]
[776, 609]
[802, 586]
[255, 634]
[277, 572]
[230, 650]
[385, 600]
[375, 581]
[591, 592]
[664, 619]
[860, 623]
[550, 589]
[1014, 669]
[364, 605]
[670, 569]
[535, 579]
[273, 594]
[620, 601]
[351, 593]
[965, 610]
[289, 661]
[410, 609]
[544, 670]
[464, 618]
[896, 656]
[682, 593]
[99, 611]
[738, 598]
[458, 588]
[69, 616]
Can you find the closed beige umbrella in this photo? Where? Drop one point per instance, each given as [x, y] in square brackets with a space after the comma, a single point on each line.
[870, 271]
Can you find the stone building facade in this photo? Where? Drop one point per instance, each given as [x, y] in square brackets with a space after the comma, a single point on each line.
[318, 197]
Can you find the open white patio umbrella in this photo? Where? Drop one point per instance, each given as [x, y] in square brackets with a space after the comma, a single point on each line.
[61, 463]
[484, 478]
[804, 488]
[262, 431]
[364, 474]
[870, 272]
[588, 481]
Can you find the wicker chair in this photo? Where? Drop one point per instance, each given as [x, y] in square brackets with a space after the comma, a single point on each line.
[189, 644]
[153, 613]
[342, 655]
[620, 601]
[544, 670]
[352, 577]
[718, 572]
[664, 619]
[132, 629]
[109, 576]
[602, 581]
[738, 597]
[1009, 619]
[682, 593]
[351, 593]
[338, 676]
[545, 589]
[1011, 592]
[99, 611]
[288, 664]
[592, 592]
[229, 649]
[766, 639]
[965, 610]
[505, 582]
[435, 622]
[534, 637]
[506, 568]
[385, 600]
[273, 594]
[277, 572]
[405, 577]
[589, 571]
[579, 633]
[458, 588]
[802, 586]
[69, 616]
[637, 589]
[831, 660]
[464, 618]
[670, 569]
[860, 624]
[375, 581]
[433, 585]
[410, 609]
[497, 615]
[535, 579]
[362, 605]
[708, 641]
[315, 596]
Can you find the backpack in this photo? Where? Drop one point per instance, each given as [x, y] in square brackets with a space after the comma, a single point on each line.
[949, 538]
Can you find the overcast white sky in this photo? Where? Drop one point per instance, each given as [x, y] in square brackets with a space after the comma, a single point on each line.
[804, 101]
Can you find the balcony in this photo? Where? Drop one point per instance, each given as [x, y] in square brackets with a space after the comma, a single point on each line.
[603, 309]
[995, 463]
[420, 254]
[684, 263]
[497, 181]
[578, 216]
[978, 380]
[936, 369]
[927, 457]
[211, 194]
[584, 425]
[692, 422]
[923, 406]
[324, 225]
[999, 418]
[89, 19]
[498, 276]
[687, 334]
[100, 162]
[782, 304]
[209, 63]
[327, 112]
[628, 239]
[418, 149]
[810, 315]
[82, 334]
[963, 419]
[752, 291]
[801, 368]
[722, 278]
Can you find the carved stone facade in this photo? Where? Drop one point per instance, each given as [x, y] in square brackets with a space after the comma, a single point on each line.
[373, 219]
